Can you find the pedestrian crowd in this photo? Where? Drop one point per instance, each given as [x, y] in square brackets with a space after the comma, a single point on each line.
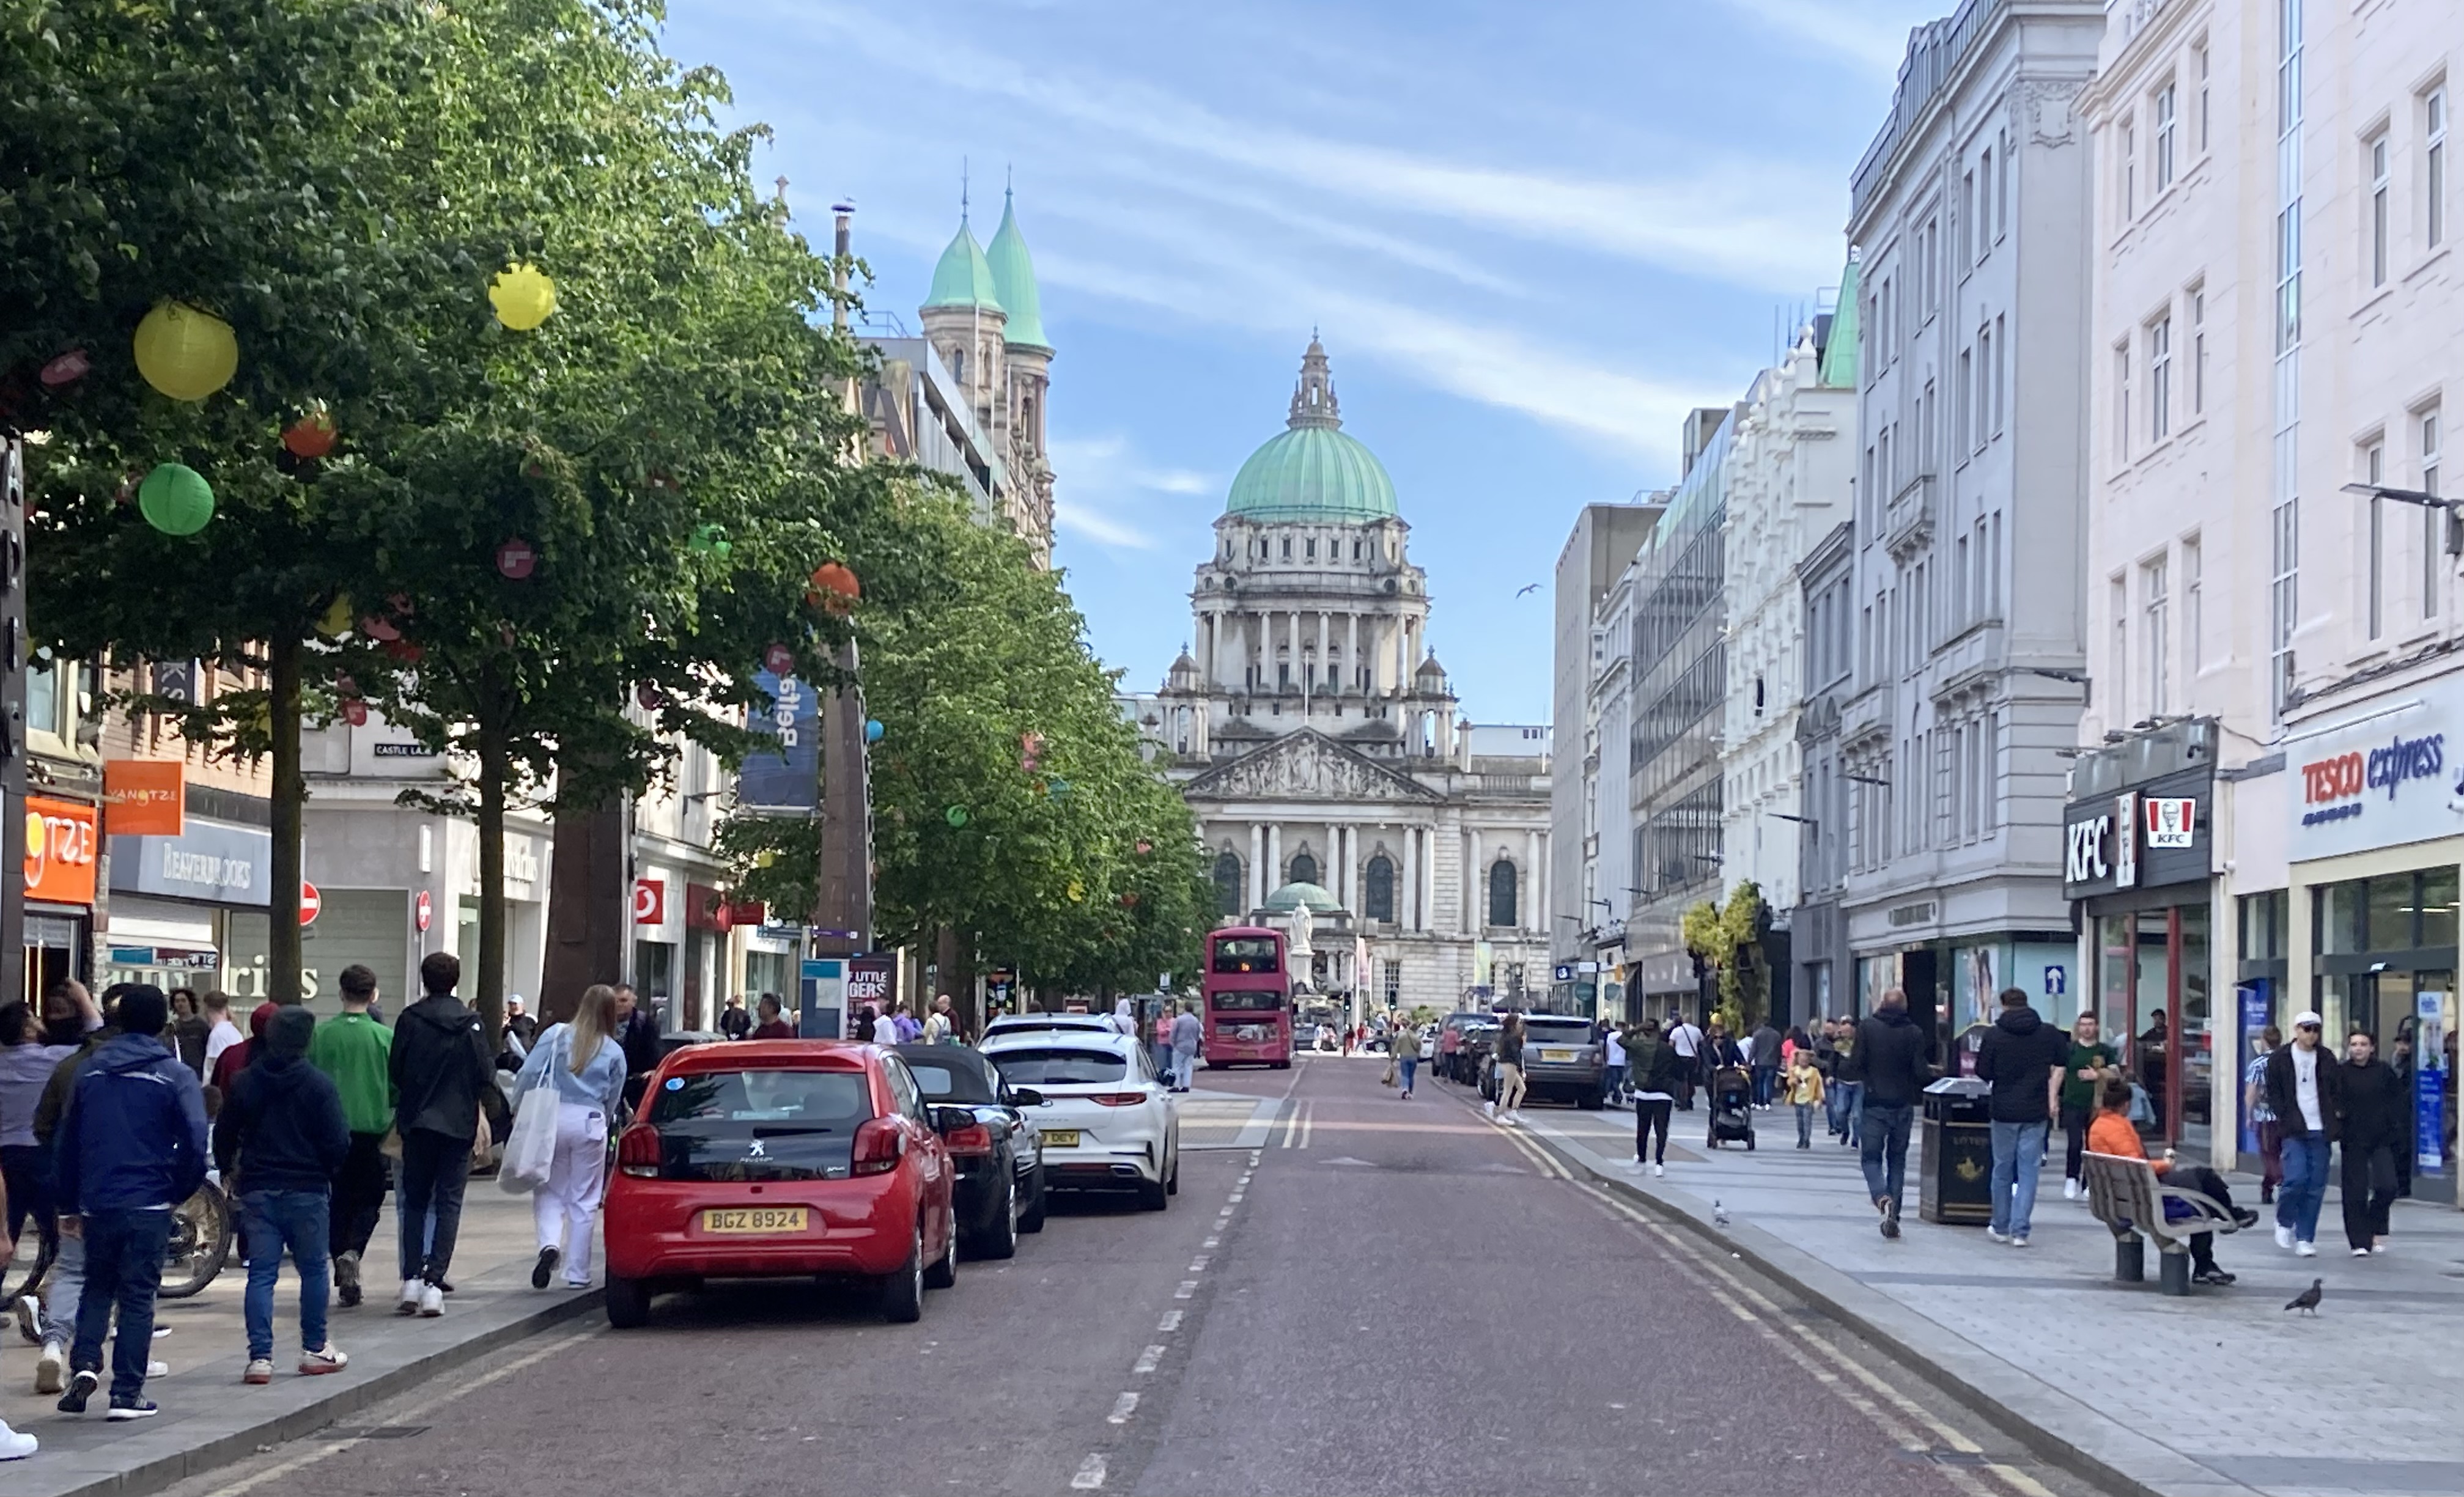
[115, 1115]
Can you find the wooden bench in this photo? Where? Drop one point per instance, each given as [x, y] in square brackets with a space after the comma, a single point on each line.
[2128, 1196]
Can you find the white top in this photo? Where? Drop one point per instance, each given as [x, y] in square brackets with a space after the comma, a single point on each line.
[1683, 1039]
[937, 1028]
[1616, 1048]
[222, 1037]
[885, 1029]
[2305, 1088]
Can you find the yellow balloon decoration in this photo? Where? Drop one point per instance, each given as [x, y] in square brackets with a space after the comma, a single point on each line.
[37, 835]
[522, 296]
[336, 618]
[184, 353]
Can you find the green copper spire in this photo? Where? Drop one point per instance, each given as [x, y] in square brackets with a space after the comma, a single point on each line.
[1013, 273]
[1839, 355]
[964, 277]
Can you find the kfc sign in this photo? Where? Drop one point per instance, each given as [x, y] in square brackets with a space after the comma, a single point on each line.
[2169, 820]
[2141, 838]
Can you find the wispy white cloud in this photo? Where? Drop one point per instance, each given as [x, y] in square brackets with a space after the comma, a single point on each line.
[1105, 491]
[1853, 29]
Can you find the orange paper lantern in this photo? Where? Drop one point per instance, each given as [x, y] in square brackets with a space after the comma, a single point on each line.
[835, 589]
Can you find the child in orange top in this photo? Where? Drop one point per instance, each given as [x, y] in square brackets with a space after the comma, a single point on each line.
[2112, 1133]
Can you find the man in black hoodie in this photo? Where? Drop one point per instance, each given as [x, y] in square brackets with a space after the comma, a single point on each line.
[2377, 1115]
[442, 1077]
[1889, 1060]
[2019, 1057]
[282, 1127]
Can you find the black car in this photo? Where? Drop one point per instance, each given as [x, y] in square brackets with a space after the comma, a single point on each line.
[1000, 1189]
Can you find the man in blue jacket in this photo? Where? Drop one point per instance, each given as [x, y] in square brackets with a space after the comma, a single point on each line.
[131, 1146]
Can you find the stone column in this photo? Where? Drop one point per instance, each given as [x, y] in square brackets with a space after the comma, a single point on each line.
[1321, 642]
[1274, 858]
[1292, 643]
[1537, 919]
[1407, 894]
[1474, 883]
[1351, 651]
[1257, 866]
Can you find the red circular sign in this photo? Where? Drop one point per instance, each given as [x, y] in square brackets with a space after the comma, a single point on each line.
[422, 911]
[779, 660]
[517, 560]
[309, 901]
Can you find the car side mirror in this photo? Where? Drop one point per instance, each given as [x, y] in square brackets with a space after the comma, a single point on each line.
[1025, 1096]
[949, 1119]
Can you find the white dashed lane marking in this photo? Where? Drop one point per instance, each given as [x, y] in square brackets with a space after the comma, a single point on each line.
[1123, 1407]
[1090, 1475]
[1171, 1322]
[1148, 1362]
[1188, 1290]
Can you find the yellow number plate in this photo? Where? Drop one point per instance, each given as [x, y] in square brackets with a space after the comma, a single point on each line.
[1556, 1057]
[1061, 1138]
[754, 1221]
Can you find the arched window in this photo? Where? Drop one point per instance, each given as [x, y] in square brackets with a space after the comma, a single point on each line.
[1303, 868]
[1227, 884]
[1381, 888]
[1500, 893]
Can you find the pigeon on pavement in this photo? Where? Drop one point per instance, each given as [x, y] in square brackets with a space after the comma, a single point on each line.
[2308, 1299]
[1719, 1214]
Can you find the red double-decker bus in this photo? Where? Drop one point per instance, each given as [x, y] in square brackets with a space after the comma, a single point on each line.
[1248, 998]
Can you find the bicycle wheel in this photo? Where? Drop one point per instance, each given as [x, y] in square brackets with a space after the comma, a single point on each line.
[201, 1238]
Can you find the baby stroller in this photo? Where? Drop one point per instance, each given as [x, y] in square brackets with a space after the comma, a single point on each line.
[1732, 1106]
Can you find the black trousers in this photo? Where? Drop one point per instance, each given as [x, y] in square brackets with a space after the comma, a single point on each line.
[434, 1168]
[359, 1190]
[2075, 1121]
[2209, 1183]
[2369, 1183]
[1651, 1114]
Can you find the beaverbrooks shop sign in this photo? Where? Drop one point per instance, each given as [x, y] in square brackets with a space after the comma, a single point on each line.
[2388, 780]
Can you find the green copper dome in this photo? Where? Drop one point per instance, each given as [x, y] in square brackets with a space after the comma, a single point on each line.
[1013, 280]
[1312, 470]
[964, 277]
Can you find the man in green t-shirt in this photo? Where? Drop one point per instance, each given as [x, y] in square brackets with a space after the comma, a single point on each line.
[2091, 1062]
[356, 1051]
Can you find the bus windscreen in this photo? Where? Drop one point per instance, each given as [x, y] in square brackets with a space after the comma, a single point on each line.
[1246, 954]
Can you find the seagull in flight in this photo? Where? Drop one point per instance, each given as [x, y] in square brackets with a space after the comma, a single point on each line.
[1526, 587]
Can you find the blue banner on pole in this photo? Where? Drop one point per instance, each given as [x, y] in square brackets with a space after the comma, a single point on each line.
[2428, 1085]
[2256, 1013]
[786, 781]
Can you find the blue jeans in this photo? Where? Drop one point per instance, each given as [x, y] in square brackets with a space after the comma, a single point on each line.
[2305, 1185]
[1805, 1125]
[1843, 1098]
[123, 1269]
[1766, 1082]
[1611, 1082]
[301, 1220]
[2018, 1152]
[1410, 1065]
[1884, 1149]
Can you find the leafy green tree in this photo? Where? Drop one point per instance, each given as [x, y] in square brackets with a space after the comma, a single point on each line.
[1727, 937]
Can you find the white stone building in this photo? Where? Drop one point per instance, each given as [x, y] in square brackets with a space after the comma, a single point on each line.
[1790, 474]
[2276, 313]
[1317, 740]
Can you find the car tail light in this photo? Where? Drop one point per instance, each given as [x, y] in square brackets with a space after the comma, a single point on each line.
[879, 1145]
[1119, 1098]
[637, 1151]
[973, 1139]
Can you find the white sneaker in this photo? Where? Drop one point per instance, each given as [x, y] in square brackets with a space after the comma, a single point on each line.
[2018, 1242]
[409, 1304]
[258, 1372]
[2304, 1250]
[431, 1301]
[1659, 1169]
[14, 1447]
[158, 1369]
[327, 1358]
[1634, 1165]
[1516, 1118]
[2284, 1237]
[1999, 1237]
[49, 1366]
[1492, 1108]
[2361, 1252]
[2071, 1190]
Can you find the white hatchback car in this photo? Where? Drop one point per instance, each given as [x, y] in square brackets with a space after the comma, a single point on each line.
[1107, 1120]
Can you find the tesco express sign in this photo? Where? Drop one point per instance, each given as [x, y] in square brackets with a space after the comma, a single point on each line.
[2382, 781]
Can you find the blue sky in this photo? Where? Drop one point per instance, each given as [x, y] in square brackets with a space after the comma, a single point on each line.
[1531, 235]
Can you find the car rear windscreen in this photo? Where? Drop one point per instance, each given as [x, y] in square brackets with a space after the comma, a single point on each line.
[953, 1083]
[1058, 1066]
[1537, 1032]
[760, 1125]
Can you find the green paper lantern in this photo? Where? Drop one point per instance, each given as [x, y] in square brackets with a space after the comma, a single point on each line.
[176, 499]
[956, 816]
[710, 540]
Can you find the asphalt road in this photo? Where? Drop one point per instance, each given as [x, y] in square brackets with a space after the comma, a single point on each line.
[1379, 1297]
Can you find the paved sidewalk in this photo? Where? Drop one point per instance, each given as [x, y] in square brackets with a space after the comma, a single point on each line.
[2219, 1392]
[209, 1418]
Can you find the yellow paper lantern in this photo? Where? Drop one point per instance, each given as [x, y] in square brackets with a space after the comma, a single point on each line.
[522, 296]
[336, 618]
[184, 353]
[37, 836]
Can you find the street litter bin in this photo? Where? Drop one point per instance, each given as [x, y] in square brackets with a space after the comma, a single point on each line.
[1957, 1163]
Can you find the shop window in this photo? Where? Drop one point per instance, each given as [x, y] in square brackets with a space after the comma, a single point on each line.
[2262, 926]
[2390, 911]
[2336, 918]
[2439, 901]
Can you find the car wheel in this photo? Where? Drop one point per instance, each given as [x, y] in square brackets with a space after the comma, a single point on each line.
[944, 1273]
[1153, 1195]
[1032, 1218]
[902, 1293]
[1001, 1242]
[1592, 1101]
[1282, 1065]
[629, 1302]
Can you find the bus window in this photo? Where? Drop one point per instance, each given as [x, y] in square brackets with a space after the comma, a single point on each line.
[1247, 1003]
[1251, 954]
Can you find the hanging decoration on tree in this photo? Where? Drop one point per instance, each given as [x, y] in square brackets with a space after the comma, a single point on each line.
[779, 660]
[66, 370]
[336, 620]
[873, 731]
[176, 499]
[522, 296]
[380, 630]
[517, 560]
[1129, 899]
[835, 589]
[311, 436]
[403, 649]
[1077, 892]
[184, 353]
[1030, 752]
[956, 816]
[1145, 846]
[1058, 788]
[355, 713]
[710, 541]
[649, 696]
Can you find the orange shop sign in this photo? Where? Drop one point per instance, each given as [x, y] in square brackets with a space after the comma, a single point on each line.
[59, 851]
[145, 797]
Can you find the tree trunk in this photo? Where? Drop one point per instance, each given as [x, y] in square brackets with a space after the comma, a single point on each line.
[494, 768]
[283, 957]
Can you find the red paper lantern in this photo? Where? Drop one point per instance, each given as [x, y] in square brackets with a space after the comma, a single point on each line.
[779, 660]
[835, 589]
[66, 370]
[311, 436]
[355, 713]
[517, 560]
[378, 629]
[648, 696]
[403, 649]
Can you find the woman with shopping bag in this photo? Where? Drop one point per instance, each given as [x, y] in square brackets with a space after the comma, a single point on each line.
[569, 1088]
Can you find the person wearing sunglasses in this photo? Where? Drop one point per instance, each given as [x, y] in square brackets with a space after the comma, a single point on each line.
[2303, 1086]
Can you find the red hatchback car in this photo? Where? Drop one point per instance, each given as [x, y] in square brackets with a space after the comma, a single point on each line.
[775, 1158]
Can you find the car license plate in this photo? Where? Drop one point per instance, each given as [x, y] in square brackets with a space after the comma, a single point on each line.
[1556, 1057]
[754, 1221]
[1061, 1138]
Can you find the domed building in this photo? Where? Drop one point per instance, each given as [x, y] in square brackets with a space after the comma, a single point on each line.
[1320, 744]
